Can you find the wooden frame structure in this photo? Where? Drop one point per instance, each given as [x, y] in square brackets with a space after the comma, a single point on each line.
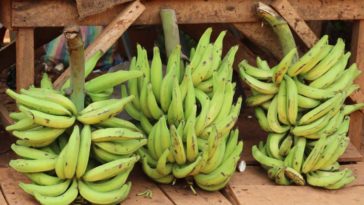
[25, 15]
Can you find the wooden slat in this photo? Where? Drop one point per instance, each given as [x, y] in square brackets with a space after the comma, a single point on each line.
[357, 118]
[296, 22]
[109, 35]
[254, 187]
[357, 50]
[9, 180]
[90, 7]
[46, 13]
[356, 128]
[182, 195]
[261, 35]
[5, 13]
[140, 183]
[2, 199]
[24, 58]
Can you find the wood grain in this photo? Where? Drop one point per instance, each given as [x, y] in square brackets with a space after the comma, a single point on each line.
[109, 35]
[357, 50]
[24, 58]
[9, 186]
[296, 22]
[91, 7]
[2, 199]
[254, 187]
[182, 195]
[140, 183]
[356, 128]
[33, 13]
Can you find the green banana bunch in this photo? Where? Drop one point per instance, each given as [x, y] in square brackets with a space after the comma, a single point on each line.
[301, 106]
[188, 112]
[64, 159]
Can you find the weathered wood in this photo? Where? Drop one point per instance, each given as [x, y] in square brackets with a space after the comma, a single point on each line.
[182, 195]
[2, 199]
[41, 37]
[356, 128]
[261, 35]
[33, 13]
[357, 50]
[140, 183]
[296, 22]
[87, 8]
[357, 118]
[5, 13]
[24, 58]
[109, 35]
[316, 27]
[254, 187]
[9, 184]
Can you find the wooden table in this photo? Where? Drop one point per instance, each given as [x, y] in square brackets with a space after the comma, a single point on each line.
[249, 187]
[25, 15]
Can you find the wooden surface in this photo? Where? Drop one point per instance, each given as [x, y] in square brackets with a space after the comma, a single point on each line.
[182, 195]
[254, 187]
[295, 21]
[356, 128]
[24, 58]
[26, 13]
[90, 7]
[109, 35]
[357, 118]
[249, 187]
[5, 13]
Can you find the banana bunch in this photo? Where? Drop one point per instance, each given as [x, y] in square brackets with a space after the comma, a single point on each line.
[173, 94]
[64, 159]
[188, 114]
[176, 153]
[301, 106]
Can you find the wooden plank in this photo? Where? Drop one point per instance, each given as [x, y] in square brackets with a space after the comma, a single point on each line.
[109, 35]
[140, 183]
[261, 35]
[296, 22]
[356, 128]
[2, 198]
[33, 13]
[254, 187]
[24, 58]
[181, 195]
[87, 8]
[9, 186]
[357, 46]
[5, 13]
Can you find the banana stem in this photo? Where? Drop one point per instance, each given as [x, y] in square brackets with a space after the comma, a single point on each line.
[170, 29]
[77, 64]
[280, 28]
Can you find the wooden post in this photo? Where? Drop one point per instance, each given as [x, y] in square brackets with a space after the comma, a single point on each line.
[108, 36]
[298, 24]
[24, 58]
[357, 118]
